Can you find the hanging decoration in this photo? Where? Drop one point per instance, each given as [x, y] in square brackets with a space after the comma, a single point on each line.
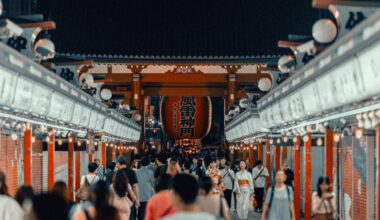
[186, 117]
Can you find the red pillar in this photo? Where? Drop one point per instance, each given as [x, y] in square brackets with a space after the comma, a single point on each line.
[378, 168]
[120, 152]
[307, 176]
[268, 162]
[329, 144]
[297, 179]
[104, 154]
[89, 147]
[70, 168]
[251, 157]
[260, 152]
[284, 153]
[77, 171]
[113, 153]
[244, 154]
[27, 157]
[51, 145]
[278, 157]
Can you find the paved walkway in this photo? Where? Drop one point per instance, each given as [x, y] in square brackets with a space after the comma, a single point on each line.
[251, 216]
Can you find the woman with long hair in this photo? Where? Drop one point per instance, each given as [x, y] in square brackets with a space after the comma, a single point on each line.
[244, 190]
[121, 189]
[323, 200]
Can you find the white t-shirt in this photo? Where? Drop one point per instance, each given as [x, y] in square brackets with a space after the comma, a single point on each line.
[10, 209]
[260, 181]
[90, 178]
[190, 216]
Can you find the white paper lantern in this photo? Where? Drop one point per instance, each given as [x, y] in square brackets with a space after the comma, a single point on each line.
[324, 31]
[243, 103]
[265, 84]
[106, 94]
[44, 49]
[87, 79]
[286, 64]
[137, 117]
[14, 136]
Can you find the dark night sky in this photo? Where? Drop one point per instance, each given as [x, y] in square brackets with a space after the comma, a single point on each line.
[177, 27]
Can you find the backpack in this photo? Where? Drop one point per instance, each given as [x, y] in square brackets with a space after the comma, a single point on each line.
[272, 194]
[83, 192]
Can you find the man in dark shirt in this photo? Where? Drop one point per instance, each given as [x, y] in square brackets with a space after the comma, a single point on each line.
[161, 166]
[121, 164]
[289, 174]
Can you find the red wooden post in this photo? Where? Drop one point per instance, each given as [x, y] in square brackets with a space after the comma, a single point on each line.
[104, 154]
[329, 144]
[278, 157]
[268, 162]
[89, 147]
[297, 177]
[51, 145]
[77, 171]
[70, 168]
[113, 153]
[27, 156]
[307, 176]
[260, 151]
[251, 157]
[121, 153]
[378, 169]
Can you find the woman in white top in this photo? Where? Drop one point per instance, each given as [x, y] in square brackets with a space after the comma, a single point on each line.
[323, 201]
[244, 190]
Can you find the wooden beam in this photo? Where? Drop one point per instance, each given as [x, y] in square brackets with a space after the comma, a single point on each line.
[288, 44]
[251, 158]
[183, 91]
[278, 157]
[329, 144]
[75, 63]
[251, 78]
[70, 168]
[51, 173]
[260, 152]
[297, 178]
[44, 25]
[89, 147]
[27, 157]
[113, 149]
[307, 178]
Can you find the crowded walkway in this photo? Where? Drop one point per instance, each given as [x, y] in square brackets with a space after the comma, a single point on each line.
[169, 187]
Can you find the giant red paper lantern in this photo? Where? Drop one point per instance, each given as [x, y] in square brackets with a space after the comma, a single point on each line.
[186, 117]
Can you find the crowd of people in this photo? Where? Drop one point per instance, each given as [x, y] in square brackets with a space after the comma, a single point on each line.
[170, 188]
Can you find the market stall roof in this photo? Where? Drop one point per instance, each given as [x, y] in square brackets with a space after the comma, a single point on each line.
[172, 28]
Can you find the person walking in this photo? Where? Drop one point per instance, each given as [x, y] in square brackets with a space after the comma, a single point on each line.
[120, 189]
[110, 172]
[289, 174]
[279, 202]
[323, 201]
[235, 168]
[9, 208]
[100, 171]
[161, 204]
[146, 185]
[210, 202]
[259, 173]
[121, 164]
[244, 190]
[185, 192]
[229, 178]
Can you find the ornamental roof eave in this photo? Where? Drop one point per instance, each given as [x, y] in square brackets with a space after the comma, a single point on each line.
[163, 59]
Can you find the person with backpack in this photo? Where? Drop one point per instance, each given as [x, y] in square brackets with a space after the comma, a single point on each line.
[279, 202]
[86, 181]
[244, 190]
[259, 173]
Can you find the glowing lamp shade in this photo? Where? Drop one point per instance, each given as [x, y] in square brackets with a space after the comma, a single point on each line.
[44, 49]
[324, 31]
[106, 94]
[137, 117]
[87, 78]
[265, 84]
[243, 103]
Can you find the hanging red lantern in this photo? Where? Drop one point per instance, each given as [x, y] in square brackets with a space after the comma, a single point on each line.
[186, 117]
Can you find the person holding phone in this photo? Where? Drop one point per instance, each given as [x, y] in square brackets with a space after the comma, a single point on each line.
[323, 200]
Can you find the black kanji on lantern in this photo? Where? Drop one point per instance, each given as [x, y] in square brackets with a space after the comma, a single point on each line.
[187, 113]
